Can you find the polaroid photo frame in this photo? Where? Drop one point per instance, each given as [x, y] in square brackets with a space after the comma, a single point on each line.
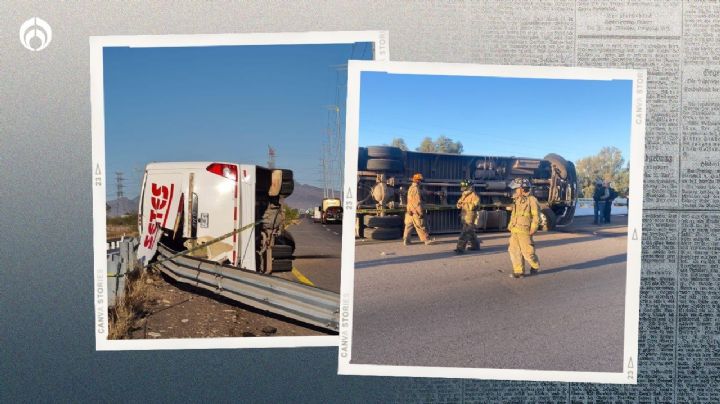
[385, 328]
[380, 47]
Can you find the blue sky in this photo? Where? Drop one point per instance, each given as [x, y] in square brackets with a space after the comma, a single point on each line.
[497, 116]
[222, 103]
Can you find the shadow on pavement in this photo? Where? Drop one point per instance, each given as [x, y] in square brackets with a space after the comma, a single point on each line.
[483, 251]
[613, 259]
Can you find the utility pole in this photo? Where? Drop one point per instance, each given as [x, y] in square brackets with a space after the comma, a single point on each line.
[271, 157]
[324, 167]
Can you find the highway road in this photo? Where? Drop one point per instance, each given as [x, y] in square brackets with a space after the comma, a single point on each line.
[317, 252]
[425, 306]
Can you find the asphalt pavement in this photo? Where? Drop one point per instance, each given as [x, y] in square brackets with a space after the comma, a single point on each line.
[426, 306]
[317, 254]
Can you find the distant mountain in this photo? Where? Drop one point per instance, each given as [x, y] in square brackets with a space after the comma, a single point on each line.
[123, 206]
[306, 197]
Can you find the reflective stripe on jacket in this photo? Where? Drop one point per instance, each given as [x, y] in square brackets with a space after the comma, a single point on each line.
[525, 215]
[468, 203]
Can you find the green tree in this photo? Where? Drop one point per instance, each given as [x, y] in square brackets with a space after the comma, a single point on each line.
[399, 143]
[426, 145]
[442, 144]
[607, 165]
[621, 182]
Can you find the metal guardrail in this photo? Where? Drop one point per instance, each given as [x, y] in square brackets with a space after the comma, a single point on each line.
[120, 261]
[290, 299]
[589, 202]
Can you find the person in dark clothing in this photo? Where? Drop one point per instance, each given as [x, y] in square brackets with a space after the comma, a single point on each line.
[599, 208]
[610, 195]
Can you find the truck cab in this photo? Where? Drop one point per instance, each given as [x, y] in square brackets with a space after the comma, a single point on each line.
[332, 210]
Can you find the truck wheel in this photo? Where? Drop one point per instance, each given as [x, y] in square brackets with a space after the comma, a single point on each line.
[285, 239]
[383, 221]
[381, 233]
[548, 219]
[287, 187]
[384, 152]
[287, 175]
[282, 265]
[572, 173]
[384, 165]
[280, 251]
[559, 163]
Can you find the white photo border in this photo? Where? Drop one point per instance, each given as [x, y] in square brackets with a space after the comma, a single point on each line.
[632, 289]
[380, 39]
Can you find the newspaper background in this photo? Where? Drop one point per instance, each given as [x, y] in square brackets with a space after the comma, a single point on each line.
[679, 45]
[46, 283]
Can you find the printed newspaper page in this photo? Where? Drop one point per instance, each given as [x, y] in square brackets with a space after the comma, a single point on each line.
[679, 45]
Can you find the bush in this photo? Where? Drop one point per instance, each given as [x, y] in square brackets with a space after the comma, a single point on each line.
[127, 220]
[291, 216]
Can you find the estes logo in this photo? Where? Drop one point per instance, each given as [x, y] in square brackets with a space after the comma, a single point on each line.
[160, 205]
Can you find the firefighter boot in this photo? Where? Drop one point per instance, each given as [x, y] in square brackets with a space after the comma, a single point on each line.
[474, 245]
[460, 249]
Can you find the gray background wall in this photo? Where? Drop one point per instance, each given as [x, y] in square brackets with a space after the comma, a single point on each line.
[46, 320]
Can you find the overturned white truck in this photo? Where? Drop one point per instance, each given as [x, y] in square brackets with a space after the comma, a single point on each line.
[185, 205]
[384, 175]
[220, 227]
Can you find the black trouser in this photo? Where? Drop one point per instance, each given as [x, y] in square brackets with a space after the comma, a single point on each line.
[606, 211]
[599, 211]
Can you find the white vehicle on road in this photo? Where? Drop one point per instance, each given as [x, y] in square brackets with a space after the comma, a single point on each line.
[185, 205]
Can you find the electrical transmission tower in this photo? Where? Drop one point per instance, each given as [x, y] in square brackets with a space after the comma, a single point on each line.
[120, 186]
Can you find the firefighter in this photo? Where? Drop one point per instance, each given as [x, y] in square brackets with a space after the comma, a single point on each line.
[415, 212]
[523, 224]
[468, 204]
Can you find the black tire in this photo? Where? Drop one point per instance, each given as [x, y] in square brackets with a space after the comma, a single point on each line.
[287, 175]
[362, 159]
[384, 152]
[381, 233]
[384, 165]
[285, 239]
[282, 265]
[281, 251]
[383, 221]
[287, 188]
[559, 163]
[572, 173]
[548, 219]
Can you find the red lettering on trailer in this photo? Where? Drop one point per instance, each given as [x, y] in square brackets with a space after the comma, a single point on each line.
[158, 203]
[162, 198]
[149, 241]
[172, 191]
[160, 191]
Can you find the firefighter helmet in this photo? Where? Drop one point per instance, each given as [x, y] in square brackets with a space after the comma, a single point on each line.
[465, 184]
[417, 177]
[520, 183]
